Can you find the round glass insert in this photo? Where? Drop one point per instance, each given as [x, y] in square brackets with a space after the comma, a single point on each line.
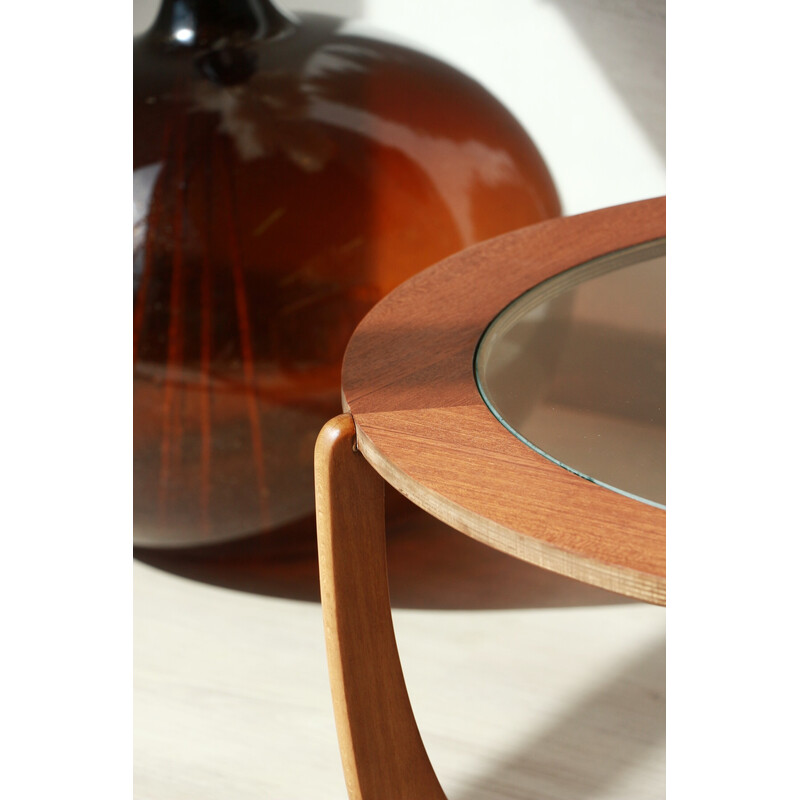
[576, 369]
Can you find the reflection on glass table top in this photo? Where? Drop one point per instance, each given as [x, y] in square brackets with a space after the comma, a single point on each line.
[575, 368]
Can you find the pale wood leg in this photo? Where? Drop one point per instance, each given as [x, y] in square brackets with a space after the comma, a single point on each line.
[382, 752]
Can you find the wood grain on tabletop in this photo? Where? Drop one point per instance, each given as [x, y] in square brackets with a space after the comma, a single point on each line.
[408, 382]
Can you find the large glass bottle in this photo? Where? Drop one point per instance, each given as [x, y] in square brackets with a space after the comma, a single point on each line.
[287, 173]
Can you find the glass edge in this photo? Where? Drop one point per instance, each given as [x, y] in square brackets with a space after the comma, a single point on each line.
[558, 283]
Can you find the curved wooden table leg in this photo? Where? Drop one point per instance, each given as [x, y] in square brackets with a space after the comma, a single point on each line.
[382, 752]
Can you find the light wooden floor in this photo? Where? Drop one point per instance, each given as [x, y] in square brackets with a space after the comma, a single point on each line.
[525, 685]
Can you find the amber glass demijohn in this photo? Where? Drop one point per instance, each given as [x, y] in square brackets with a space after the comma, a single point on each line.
[287, 173]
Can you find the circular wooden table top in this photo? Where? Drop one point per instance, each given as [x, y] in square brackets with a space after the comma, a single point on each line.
[408, 381]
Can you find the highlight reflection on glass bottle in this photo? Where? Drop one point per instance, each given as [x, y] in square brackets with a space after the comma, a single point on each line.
[288, 173]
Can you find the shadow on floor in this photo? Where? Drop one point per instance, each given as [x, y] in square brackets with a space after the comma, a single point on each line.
[583, 754]
[430, 566]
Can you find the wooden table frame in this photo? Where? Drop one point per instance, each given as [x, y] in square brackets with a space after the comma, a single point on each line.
[416, 420]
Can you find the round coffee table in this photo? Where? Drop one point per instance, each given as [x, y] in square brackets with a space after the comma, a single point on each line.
[460, 447]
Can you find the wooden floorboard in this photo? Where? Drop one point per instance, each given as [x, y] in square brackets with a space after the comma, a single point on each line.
[231, 697]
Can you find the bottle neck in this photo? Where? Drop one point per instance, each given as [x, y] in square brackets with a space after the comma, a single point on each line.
[201, 22]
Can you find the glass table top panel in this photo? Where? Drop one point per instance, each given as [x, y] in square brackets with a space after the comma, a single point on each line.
[575, 368]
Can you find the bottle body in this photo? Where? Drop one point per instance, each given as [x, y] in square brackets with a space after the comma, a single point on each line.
[282, 186]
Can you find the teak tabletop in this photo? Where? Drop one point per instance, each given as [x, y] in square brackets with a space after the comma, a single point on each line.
[416, 420]
[408, 382]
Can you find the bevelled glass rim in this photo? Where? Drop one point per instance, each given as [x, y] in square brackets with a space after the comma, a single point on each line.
[548, 289]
